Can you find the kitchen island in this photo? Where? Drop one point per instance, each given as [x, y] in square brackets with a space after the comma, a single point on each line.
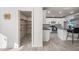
[46, 32]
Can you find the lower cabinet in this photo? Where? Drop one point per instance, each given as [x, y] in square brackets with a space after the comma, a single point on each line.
[46, 35]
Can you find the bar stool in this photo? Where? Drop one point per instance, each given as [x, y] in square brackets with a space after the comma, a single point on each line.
[74, 30]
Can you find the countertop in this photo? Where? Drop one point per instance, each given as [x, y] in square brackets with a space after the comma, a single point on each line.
[60, 27]
[46, 26]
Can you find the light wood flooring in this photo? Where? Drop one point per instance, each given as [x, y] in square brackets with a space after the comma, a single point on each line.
[54, 44]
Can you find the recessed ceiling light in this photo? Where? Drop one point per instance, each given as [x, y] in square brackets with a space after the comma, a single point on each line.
[48, 12]
[71, 12]
[60, 12]
[66, 8]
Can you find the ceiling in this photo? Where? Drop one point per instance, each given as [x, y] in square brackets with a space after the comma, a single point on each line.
[60, 12]
[26, 13]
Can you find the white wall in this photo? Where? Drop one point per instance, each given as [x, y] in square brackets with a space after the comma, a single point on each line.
[44, 16]
[9, 28]
[38, 25]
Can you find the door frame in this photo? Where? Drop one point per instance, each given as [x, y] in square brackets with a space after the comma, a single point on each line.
[32, 30]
